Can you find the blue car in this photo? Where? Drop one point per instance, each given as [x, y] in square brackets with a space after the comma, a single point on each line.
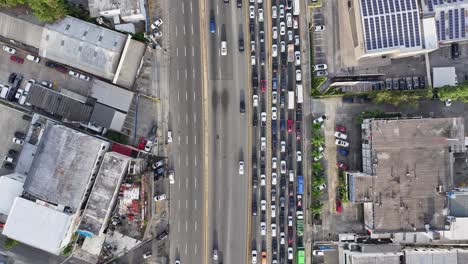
[212, 25]
[342, 151]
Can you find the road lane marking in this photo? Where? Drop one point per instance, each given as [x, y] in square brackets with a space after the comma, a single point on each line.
[195, 141]
[183, 7]
[192, 29]
[186, 74]
[193, 73]
[177, 52]
[186, 140]
[179, 165]
[195, 119]
[186, 205]
[178, 139]
[196, 249]
[186, 115]
[195, 162]
[218, 31]
[178, 96]
[196, 226]
[217, 9]
[194, 96]
[185, 246]
[191, 7]
[185, 51]
[179, 200]
[219, 72]
[186, 161]
[178, 225]
[219, 204]
[195, 205]
[186, 228]
[178, 118]
[186, 96]
[193, 52]
[195, 185]
[184, 29]
[178, 77]
[176, 30]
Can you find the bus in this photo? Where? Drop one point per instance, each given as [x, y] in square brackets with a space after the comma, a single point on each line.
[300, 256]
[296, 7]
[299, 94]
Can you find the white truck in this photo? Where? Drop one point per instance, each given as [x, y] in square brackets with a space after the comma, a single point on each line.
[299, 94]
[291, 100]
[296, 7]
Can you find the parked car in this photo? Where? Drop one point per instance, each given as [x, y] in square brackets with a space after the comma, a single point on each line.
[321, 186]
[162, 235]
[46, 84]
[74, 74]
[342, 166]
[33, 58]
[341, 143]
[18, 141]
[9, 49]
[319, 28]
[319, 67]
[341, 135]
[338, 206]
[340, 128]
[17, 59]
[342, 151]
[160, 197]
[156, 24]
[320, 119]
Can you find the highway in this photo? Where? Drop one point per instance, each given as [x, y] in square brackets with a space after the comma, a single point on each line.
[227, 140]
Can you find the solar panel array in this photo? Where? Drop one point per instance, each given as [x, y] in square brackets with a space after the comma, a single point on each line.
[390, 23]
[432, 3]
[451, 23]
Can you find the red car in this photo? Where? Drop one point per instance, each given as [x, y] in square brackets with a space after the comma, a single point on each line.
[340, 128]
[290, 125]
[339, 207]
[290, 236]
[142, 143]
[298, 134]
[342, 166]
[263, 85]
[17, 59]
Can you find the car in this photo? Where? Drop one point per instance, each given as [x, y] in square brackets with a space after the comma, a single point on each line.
[177, 261]
[28, 85]
[262, 179]
[320, 119]
[254, 256]
[321, 187]
[60, 68]
[290, 221]
[251, 12]
[255, 100]
[160, 197]
[252, 46]
[319, 28]
[318, 67]
[455, 51]
[274, 50]
[263, 117]
[274, 114]
[291, 176]
[33, 58]
[317, 252]
[274, 97]
[148, 145]
[297, 40]
[9, 159]
[18, 94]
[263, 85]
[341, 135]
[156, 24]
[241, 44]
[84, 77]
[74, 74]
[298, 76]
[274, 178]
[342, 165]
[290, 253]
[263, 205]
[171, 177]
[290, 36]
[342, 151]
[215, 254]
[163, 235]
[318, 157]
[283, 167]
[12, 77]
[264, 257]
[223, 48]
[282, 238]
[274, 12]
[340, 128]
[212, 24]
[46, 84]
[275, 32]
[262, 36]
[289, 19]
[448, 102]
[298, 156]
[169, 136]
[273, 195]
[252, 60]
[297, 56]
[147, 255]
[263, 228]
[290, 125]
[273, 210]
[321, 73]
[282, 28]
[283, 146]
[273, 163]
[18, 141]
[273, 230]
[341, 143]
[17, 59]
[9, 49]
[241, 167]
[281, 11]
[299, 201]
[260, 15]
[338, 206]
[295, 22]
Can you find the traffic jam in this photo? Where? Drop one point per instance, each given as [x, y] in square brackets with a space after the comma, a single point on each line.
[277, 181]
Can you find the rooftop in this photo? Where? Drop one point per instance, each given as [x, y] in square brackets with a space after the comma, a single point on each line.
[37, 225]
[444, 76]
[104, 193]
[9, 190]
[450, 18]
[125, 7]
[458, 204]
[411, 159]
[63, 165]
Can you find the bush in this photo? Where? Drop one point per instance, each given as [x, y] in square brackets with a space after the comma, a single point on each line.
[316, 207]
[316, 83]
[116, 136]
[459, 92]
[44, 10]
[398, 98]
[10, 243]
[140, 36]
[67, 250]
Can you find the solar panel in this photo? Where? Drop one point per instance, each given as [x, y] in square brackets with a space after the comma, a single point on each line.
[402, 5]
[416, 28]
[411, 30]
[374, 5]
[395, 31]
[366, 28]
[462, 22]
[377, 27]
[381, 7]
[430, 5]
[385, 6]
[450, 14]
[442, 25]
[405, 30]
[457, 25]
[435, 2]
[363, 7]
[389, 31]
[392, 6]
[438, 29]
[408, 5]
[413, 3]
[369, 7]
[384, 32]
[400, 30]
[372, 30]
[397, 6]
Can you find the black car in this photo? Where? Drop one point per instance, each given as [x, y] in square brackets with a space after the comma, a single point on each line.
[242, 106]
[20, 135]
[8, 165]
[162, 235]
[255, 81]
[12, 153]
[455, 51]
[241, 44]
[254, 179]
[254, 206]
[12, 77]
[50, 64]
[273, 194]
[17, 81]
[255, 119]
[239, 3]
[252, 28]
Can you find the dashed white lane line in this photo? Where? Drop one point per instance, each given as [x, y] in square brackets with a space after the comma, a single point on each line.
[179, 165]
[195, 119]
[178, 96]
[185, 246]
[184, 29]
[186, 118]
[196, 226]
[192, 29]
[195, 205]
[178, 121]
[178, 77]
[176, 31]
[177, 52]
[193, 73]
[186, 226]
[186, 74]
[217, 9]
[194, 96]
[186, 96]
[186, 161]
[193, 51]
[196, 249]
[195, 162]
[195, 183]
[186, 140]
[191, 9]
[186, 204]
[179, 200]
[185, 51]
[178, 226]
[195, 140]
[183, 7]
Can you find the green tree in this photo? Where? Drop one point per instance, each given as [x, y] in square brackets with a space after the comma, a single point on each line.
[316, 207]
[10, 3]
[459, 92]
[317, 140]
[44, 10]
[317, 168]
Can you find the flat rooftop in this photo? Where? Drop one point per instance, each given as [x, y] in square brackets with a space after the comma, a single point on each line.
[104, 193]
[410, 159]
[64, 163]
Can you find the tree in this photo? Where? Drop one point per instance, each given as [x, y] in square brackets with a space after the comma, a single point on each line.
[397, 98]
[317, 167]
[317, 140]
[10, 3]
[44, 10]
[316, 207]
[459, 92]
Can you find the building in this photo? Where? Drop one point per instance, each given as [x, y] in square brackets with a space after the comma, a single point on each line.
[407, 172]
[444, 76]
[391, 28]
[127, 10]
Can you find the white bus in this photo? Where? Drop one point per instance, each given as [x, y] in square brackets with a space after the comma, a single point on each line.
[291, 100]
[296, 7]
[299, 94]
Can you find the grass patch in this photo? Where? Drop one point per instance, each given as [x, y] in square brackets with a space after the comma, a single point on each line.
[342, 187]
[459, 92]
[116, 136]
[316, 4]
[10, 243]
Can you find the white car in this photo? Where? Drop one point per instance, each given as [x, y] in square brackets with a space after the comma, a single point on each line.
[274, 50]
[241, 167]
[341, 135]
[320, 67]
[273, 210]
[33, 58]
[260, 15]
[263, 205]
[18, 141]
[341, 143]
[297, 56]
[74, 74]
[156, 24]
[171, 177]
[262, 180]
[283, 167]
[282, 28]
[298, 76]
[262, 143]
[282, 238]
[273, 163]
[319, 157]
[148, 145]
[290, 36]
[297, 40]
[223, 48]
[291, 176]
[298, 156]
[319, 28]
[263, 228]
[321, 186]
[290, 253]
[254, 256]
[283, 46]
[320, 119]
[18, 94]
[275, 32]
[274, 178]
[255, 100]
[252, 60]
[273, 230]
[147, 255]
[160, 197]
[283, 146]
[274, 12]
[290, 221]
[84, 77]
[274, 114]
[289, 19]
[263, 117]
[252, 12]
[28, 85]
[169, 136]
[295, 22]
[252, 45]
[9, 49]
[281, 11]
[448, 102]
[274, 97]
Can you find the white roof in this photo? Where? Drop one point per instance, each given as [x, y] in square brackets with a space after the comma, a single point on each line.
[458, 229]
[9, 190]
[112, 95]
[444, 76]
[37, 225]
[430, 33]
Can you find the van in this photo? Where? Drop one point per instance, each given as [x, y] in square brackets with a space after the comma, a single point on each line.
[4, 91]
[223, 48]
[291, 176]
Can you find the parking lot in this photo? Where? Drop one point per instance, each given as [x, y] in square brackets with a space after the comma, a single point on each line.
[15, 123]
